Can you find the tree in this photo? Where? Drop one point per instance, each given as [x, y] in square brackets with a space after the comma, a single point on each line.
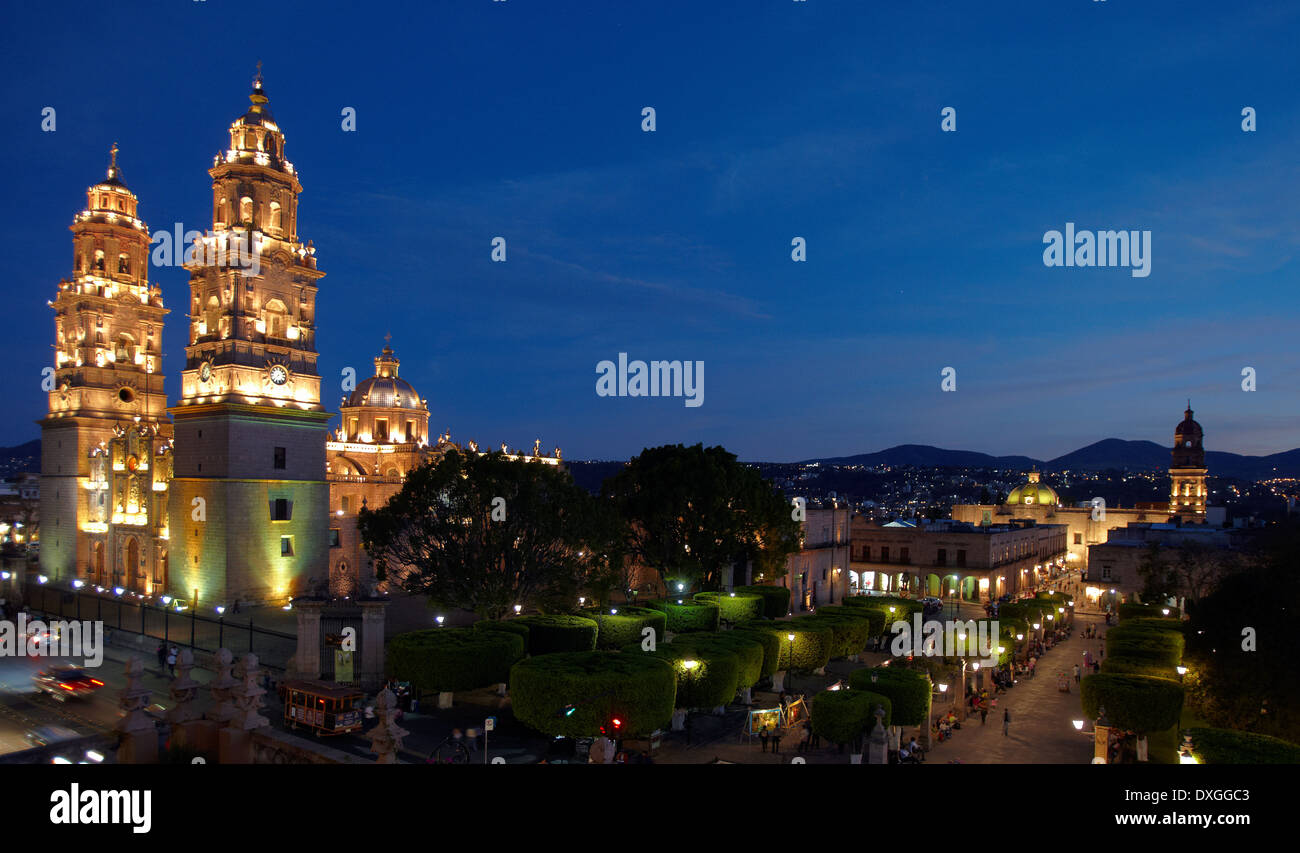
[484, 533]
[691, 511]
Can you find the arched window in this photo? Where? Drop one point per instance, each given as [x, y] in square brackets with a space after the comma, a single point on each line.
[246, 210]
[124, 348]
[277, 319]
[275, 216]
[123, 264]
[99, 260]
[223, 211]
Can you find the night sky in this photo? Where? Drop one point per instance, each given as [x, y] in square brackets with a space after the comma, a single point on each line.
[775, 120]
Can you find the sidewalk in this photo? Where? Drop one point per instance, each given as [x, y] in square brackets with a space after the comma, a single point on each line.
[1041, 730]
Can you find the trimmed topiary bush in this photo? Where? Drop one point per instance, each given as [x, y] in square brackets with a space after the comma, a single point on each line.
[903, 607]
[1229, 746]
[1157, 646]
[1135, 702]
[509, 627]
[736, 607]
[771, 643]
[711, 681]
[875, 618]
[1124, 665]
[1027, 611]
[623, 624]
[1137, 611]
[812, 643]
[559, 633]
[776, 599]
[747, 649]
[691, 615]
[909, 692]
[444, 660]
[849, 634]
[841, 716]
[573, 694]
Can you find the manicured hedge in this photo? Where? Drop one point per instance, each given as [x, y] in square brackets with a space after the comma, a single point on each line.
[736, 607]
[638, 689]
[710, 683]
[876, 618]
[849, 636]
[618, 629]
[1125, 665]
[444, 660]
[812, 643]
[747, 649]
[1028, 611]
[1229, 746]
[776, 599]
[690, 616]
[1159, 623]
[1157, 646]
[510, 626]
[903, 607]
[1135, 702]
[909, 692]
[841, 715]
[771, 643]
[559, 633]
[1137, 611]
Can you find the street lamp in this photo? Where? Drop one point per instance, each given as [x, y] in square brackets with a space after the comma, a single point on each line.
[518, 608]
[790, 637]
[1078, 725]
[1164, 610]
[439, 619]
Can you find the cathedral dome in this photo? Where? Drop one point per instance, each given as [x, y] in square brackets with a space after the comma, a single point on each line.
[385, 390]
[1033, 493]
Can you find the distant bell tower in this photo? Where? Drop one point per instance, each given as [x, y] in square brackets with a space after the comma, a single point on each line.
[105, 443]
[250, 503]
[1187, 469]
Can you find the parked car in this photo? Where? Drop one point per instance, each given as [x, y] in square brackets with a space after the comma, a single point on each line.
[46, 735]
[67, 682]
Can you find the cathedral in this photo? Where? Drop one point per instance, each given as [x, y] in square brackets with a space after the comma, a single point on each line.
[238, 493]
[1088, 525]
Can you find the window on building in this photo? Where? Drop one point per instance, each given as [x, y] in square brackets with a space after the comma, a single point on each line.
[356, 425]
[286, 546]
[942, 559]
[884, 553]
[281, 509]
[1078, 539]
[410, 431]
[866, 553]
[334, 537]
[903, 554]
[1105, 573]
[344, 504]
[961, 557]
[279, 458]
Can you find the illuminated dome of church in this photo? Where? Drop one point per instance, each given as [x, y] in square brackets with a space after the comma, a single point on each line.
[1033, 493]
[385, 390]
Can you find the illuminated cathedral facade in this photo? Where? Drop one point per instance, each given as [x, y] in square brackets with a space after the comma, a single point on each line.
[242, 494]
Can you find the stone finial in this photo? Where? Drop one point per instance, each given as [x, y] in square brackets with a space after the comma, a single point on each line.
[878, 731]
[132, 700]
[223, 709]
[183, 690]
[386, 736]
[247, 696]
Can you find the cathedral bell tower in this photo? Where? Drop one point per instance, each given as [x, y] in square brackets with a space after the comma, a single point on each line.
[105, 443]
[250, 504]
[1187, 469]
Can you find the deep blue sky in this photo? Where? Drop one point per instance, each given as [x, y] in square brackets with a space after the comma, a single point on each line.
[775, 119]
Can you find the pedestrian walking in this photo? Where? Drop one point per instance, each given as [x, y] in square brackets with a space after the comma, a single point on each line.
[984, 714]
[776, 741]
[162, 655]
[1076, 673]
[171, 661]
[1006, 721]
[763, 736]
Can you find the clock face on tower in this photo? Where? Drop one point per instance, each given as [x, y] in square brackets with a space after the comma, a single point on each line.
[205, 371]
[279, 375]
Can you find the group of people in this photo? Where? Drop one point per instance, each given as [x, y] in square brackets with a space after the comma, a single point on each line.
[167, 656]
